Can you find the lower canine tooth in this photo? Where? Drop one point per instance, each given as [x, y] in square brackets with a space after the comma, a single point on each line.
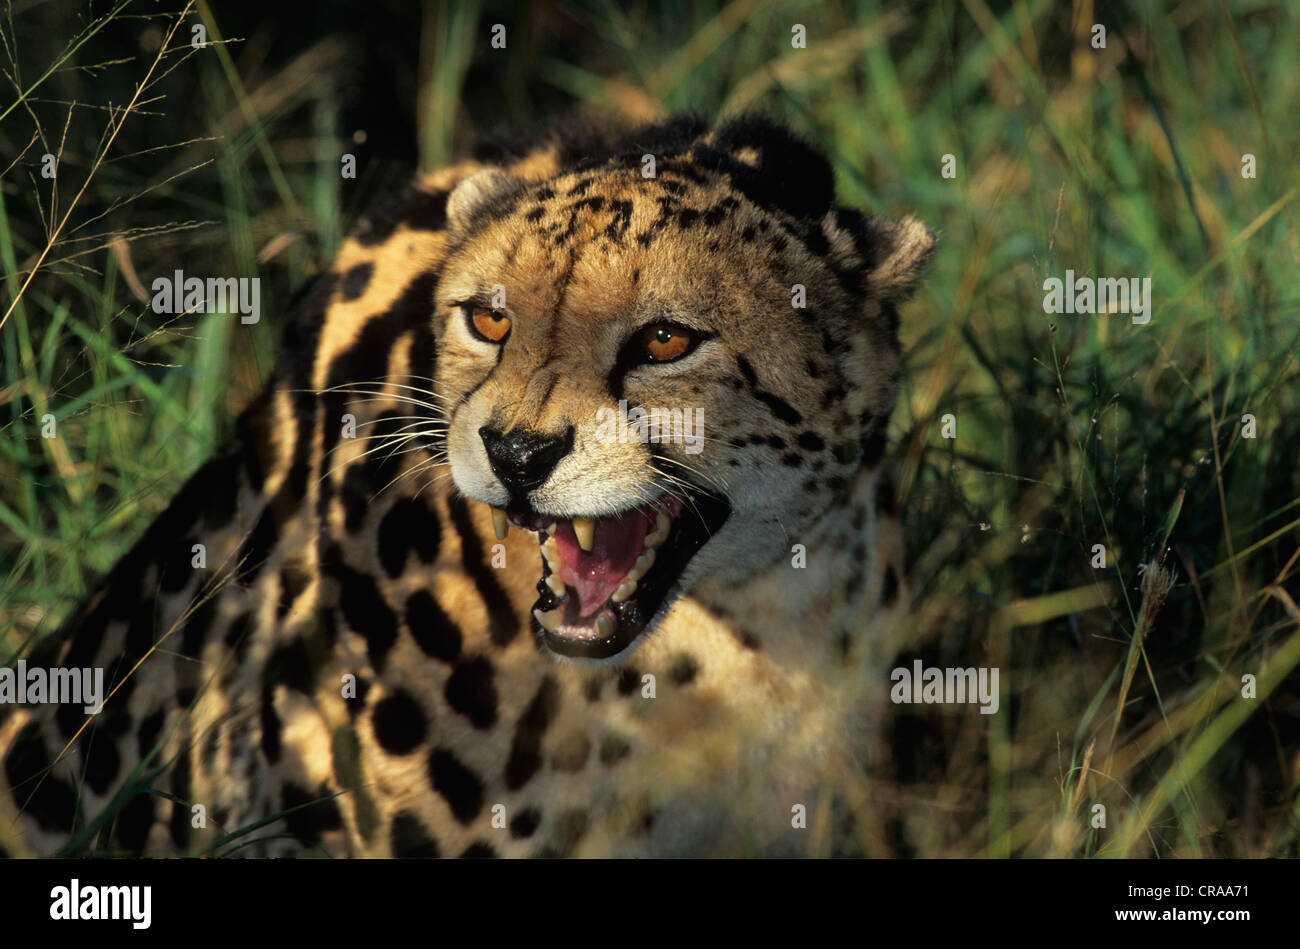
[550, 621]
[604, 626]
[499, 523]
[625, 589]
[662, 524]
[584, 528]
[551, 553]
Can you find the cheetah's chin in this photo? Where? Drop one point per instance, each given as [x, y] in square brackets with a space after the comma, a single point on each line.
[606, 580]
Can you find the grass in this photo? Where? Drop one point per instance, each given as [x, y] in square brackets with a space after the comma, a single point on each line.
[1122, 686]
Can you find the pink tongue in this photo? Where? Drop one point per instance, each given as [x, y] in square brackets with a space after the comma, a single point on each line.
[597, 573]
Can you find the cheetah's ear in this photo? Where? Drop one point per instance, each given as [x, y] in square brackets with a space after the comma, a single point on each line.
[895, 255]
[476, 195]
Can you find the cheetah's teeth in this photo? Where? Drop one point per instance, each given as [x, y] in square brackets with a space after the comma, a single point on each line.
[556, 584]
[550, 529]
[603, 625]
[663, 523]
[500, 523]
[552, 554]
[643, 563]
[550, 621]
[584, 528]
[625, 589]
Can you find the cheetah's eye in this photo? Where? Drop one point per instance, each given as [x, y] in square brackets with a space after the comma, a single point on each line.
[488, 324]
[665, 342]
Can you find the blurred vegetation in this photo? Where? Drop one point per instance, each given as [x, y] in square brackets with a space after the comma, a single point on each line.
[1072, 430]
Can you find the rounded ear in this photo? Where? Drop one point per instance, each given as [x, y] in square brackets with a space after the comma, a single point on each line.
[477, 194]
[895, 255]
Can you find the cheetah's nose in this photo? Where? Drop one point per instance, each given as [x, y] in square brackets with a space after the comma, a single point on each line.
[523, 460]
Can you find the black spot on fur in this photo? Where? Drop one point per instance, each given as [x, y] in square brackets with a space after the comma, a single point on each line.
[291, 665]
[257, 547]
[408, 525]
[780, 408]
[873, 447]
[175, 564]
[889, 594]
[134, 822]
[683, 670]
[418, 209]
[295, 576]
[460, 787]
[847, 452]
[220, 490]
[398, 722]
[472, 692]
[364, 607]
[746, 370]
[53, 805]
[270, 723]
[811, 441]
[408, 837]
[180, 819]
[431, 628]
[355, 495]
[885, 497]
[525, 823]
[310, 823]
[629, 680]
[102, 761]
[355, 280]
[591, 689]
[479, 849]
[525, 749]
[613, 749]
[149, 731]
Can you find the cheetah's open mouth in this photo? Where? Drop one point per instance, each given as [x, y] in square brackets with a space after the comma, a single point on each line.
[604, 580]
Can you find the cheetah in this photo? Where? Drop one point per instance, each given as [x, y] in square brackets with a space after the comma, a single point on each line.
[441, 612]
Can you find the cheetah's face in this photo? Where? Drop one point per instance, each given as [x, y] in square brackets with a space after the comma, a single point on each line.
[563, 303]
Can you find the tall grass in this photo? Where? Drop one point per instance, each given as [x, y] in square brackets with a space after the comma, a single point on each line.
[1122, 685]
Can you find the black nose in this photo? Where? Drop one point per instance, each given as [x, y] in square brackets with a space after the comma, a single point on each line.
[524, 460]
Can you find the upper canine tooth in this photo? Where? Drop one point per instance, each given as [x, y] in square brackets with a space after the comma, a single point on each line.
[555, 583]
[584, 528]
[550, 620]
[499, 523]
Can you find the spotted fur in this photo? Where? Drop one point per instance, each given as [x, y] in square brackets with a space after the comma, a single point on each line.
[353, 665]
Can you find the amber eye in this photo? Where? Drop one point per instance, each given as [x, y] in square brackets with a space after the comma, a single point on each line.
[665, 342]
[489, 324]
